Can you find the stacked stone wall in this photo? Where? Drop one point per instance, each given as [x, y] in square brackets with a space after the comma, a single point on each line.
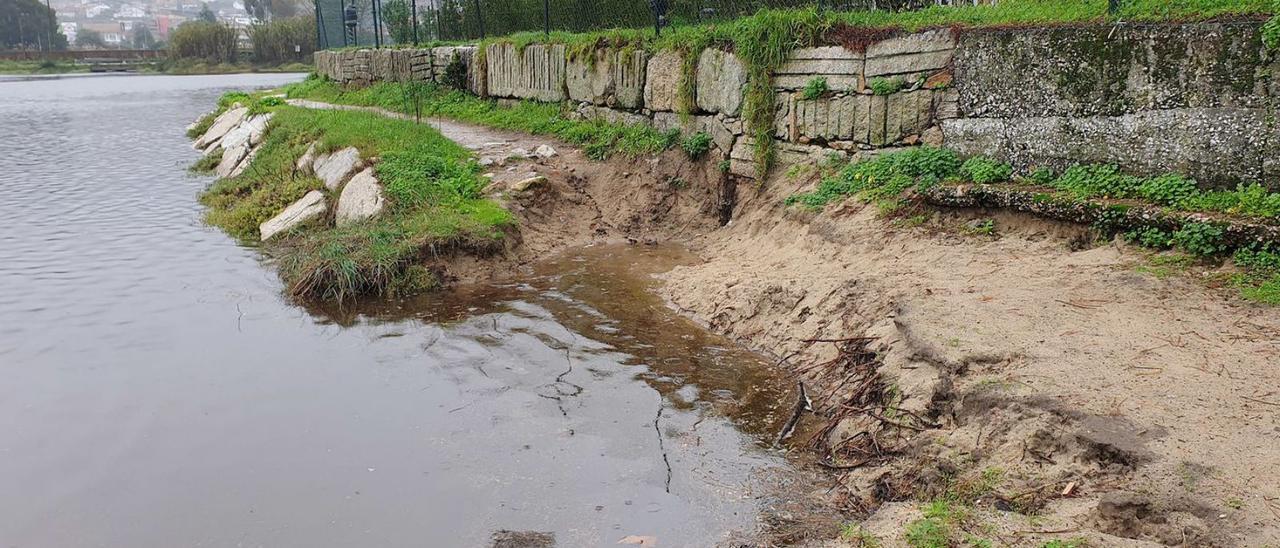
[1195, 98]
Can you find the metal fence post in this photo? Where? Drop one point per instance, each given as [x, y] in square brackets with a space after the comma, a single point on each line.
[435, 7]
[415, 22]
[546, 18]
[479, 17]
[377, 26]
[315, 4]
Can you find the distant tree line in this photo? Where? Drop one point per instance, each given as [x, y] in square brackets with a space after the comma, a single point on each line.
[28, 24]
[277, 41]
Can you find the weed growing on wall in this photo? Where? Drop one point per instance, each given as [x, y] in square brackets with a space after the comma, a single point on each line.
[886, 86]
[815, 88]
[696, 145]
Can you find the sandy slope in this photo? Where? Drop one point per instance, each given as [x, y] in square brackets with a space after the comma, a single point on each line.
[1154, 404]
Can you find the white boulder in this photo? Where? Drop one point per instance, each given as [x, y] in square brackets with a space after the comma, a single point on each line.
[236, 137]
[361, 199]
[336, 168]
[309, 207]
[244, 164]
[257, 126]
[304, 163]
[224, 123]
[230, 159]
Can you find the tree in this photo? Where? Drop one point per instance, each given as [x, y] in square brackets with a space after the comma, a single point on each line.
[205, 41]
[399, 20]
[207, 15]
[28, 24]
[142, 38]
[89, 38]
[263, 10]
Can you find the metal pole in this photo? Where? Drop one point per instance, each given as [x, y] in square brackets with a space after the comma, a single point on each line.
[377, 26]
[657, 21]
[479, 17]
[342, 16]
[415, 21]
[48, 31]
[435, 6]
[546, 18]
[315, 4]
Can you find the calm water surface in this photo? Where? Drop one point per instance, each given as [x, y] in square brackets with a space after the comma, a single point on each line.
[158, 391]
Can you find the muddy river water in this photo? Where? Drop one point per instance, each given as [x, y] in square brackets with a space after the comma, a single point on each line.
[157, 389]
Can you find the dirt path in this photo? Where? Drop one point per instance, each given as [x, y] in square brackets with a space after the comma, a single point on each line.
[486, 142]
[1093, 400]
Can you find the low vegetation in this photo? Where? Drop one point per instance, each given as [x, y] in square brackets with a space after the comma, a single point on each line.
[887, 179]
[599, 139]
[434, 198]
[40, 67]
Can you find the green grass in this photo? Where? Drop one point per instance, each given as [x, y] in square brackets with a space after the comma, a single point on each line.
[597, 138]
[434, 207]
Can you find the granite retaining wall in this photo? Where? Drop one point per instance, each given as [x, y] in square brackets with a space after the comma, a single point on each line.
[1196, 98]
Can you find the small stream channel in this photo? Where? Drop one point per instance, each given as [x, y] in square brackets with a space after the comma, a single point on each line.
[159, 391]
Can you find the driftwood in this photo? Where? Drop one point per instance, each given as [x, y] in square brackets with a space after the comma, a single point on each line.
[803, 403]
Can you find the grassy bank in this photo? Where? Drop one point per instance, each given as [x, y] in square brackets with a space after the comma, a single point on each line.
[163, 66]
[597, 138]
[40, 67]
[1107, 194]
[434, 206]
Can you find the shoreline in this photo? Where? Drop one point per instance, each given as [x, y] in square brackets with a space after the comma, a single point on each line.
[949, 334]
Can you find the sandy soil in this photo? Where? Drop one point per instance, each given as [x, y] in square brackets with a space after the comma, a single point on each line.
[1054, 387]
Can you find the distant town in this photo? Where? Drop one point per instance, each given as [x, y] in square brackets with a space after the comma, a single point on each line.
[139, 25]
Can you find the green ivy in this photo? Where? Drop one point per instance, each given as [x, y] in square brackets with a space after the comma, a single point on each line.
[814, 88]
[1202, 239]
[983, 170]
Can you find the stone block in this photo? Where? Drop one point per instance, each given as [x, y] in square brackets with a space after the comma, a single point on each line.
[662, 81]
[361, 199]
[607, 78]
[920, 42]
[721, 78]
[908, 66]
[536, 73]
[841, 68]
[310, 206]
[1190, 141]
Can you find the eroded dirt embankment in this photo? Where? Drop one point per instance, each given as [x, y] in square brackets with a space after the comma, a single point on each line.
[1041, 389]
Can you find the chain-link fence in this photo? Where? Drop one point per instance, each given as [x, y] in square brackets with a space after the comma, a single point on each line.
[385, 22]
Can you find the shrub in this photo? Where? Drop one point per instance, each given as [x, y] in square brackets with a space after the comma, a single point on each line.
[1090, 181]
[696, 145]
[815, 87]
[283, 40]
[1202, 239]
[1168, 190]
[1150, 237]
[982, 170]
[884, 176]
[203, 40]
[1042, 176]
